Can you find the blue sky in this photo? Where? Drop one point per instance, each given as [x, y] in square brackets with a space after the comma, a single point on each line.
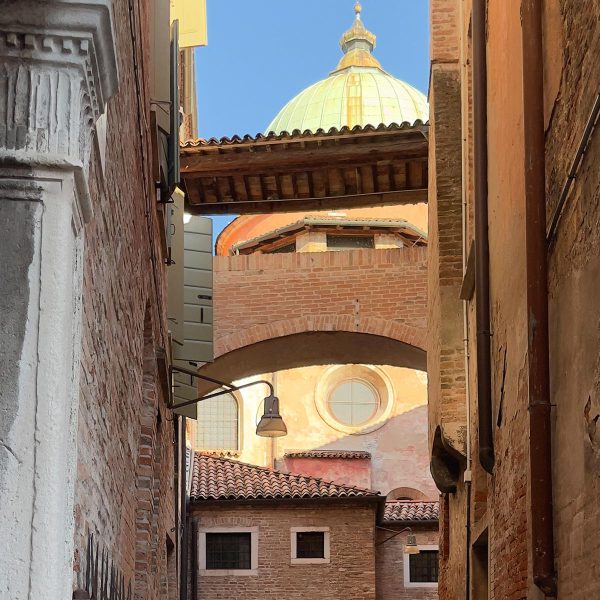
[261, 53]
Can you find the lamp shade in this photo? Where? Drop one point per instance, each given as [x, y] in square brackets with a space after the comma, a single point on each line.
[411, 545]
[271, 424]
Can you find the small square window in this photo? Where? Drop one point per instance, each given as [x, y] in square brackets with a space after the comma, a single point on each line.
[229, 550]
[310, 544]
[424, 567]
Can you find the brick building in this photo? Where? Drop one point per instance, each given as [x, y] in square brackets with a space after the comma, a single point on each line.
[260, 533]
[87, 492]
[513, 207]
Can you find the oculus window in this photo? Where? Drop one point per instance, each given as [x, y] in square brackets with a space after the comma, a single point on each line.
[354, 399]
[217, 424]
[354, 402]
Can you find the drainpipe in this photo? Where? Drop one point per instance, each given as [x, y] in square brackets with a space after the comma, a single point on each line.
[540, 435]
[482, 248]
[464, 92]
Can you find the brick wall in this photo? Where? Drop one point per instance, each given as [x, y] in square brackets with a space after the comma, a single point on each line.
[501, 503]
[124, 492]
[260, 296]
[574, 281]
[350, 574]
[390, 564]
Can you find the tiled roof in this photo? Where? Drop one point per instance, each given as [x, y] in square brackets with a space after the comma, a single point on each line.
[418, 125]
[411, 511]
[328, 454]
[215, 478]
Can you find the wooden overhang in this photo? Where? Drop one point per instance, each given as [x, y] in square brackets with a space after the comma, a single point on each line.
[346, 168]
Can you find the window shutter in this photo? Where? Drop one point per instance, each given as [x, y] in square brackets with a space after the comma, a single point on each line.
[174, 170]
[197, 343]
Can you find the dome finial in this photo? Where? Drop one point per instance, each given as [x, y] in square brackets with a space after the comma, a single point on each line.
[357, 9]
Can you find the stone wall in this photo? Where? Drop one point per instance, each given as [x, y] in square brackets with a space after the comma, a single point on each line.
[350, 574]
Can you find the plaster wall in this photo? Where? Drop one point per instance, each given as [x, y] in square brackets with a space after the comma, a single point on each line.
[397, 443]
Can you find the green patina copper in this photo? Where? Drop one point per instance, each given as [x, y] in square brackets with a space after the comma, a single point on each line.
[358, 92]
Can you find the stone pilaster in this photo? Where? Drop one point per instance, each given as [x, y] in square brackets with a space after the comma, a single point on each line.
[57, 68]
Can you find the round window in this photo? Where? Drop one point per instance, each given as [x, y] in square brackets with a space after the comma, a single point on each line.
[353, 402]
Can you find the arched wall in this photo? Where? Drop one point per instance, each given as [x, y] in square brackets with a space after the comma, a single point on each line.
[377, 293]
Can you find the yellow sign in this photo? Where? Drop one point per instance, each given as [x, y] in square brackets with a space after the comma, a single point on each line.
[192, 22]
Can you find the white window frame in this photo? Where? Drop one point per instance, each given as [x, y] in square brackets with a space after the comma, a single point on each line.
[310, 561]
[416, 584]
[252, 571]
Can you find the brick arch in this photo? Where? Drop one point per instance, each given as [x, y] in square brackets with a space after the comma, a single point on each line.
[407, 334]
[322, 340]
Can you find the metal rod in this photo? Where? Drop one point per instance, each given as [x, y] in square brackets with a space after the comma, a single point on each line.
[581, 150]
[482, 245]
[540, 436]
[387, 539]
[200, 376]
[230, 388]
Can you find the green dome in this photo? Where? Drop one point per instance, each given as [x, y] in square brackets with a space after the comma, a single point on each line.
[358, 92]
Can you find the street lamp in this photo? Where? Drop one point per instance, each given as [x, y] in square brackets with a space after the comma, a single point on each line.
[271, 423]
[411, 546]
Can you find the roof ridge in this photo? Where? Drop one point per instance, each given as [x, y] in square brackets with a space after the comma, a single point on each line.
[298, 134]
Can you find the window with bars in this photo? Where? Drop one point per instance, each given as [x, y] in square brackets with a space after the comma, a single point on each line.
[217, 424]
[231, 551]
[310, 544]
[424, 567]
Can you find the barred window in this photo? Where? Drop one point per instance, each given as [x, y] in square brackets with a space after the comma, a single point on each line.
[229, 550]
[424, 567]
[217, 425]
[310, 544]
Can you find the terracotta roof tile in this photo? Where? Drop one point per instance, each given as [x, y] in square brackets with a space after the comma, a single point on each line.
[328, 454]
[411, 511]
[216, 478]
[297, 134]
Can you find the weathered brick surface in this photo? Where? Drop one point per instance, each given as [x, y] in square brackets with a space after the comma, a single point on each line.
[350, 574]
[260, 296]
[572, 77]
[389, 559]
[574, 281]
[124, 492]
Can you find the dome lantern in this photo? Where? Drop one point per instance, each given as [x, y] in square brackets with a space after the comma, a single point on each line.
[358, 44]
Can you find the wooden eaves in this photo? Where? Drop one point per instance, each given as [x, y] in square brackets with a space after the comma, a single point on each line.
[348, 168]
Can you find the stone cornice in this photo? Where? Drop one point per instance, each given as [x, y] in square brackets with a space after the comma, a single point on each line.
[57, 70]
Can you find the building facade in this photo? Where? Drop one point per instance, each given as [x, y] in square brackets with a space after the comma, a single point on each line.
[263, 533]
[87, 492]
[513, 270]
